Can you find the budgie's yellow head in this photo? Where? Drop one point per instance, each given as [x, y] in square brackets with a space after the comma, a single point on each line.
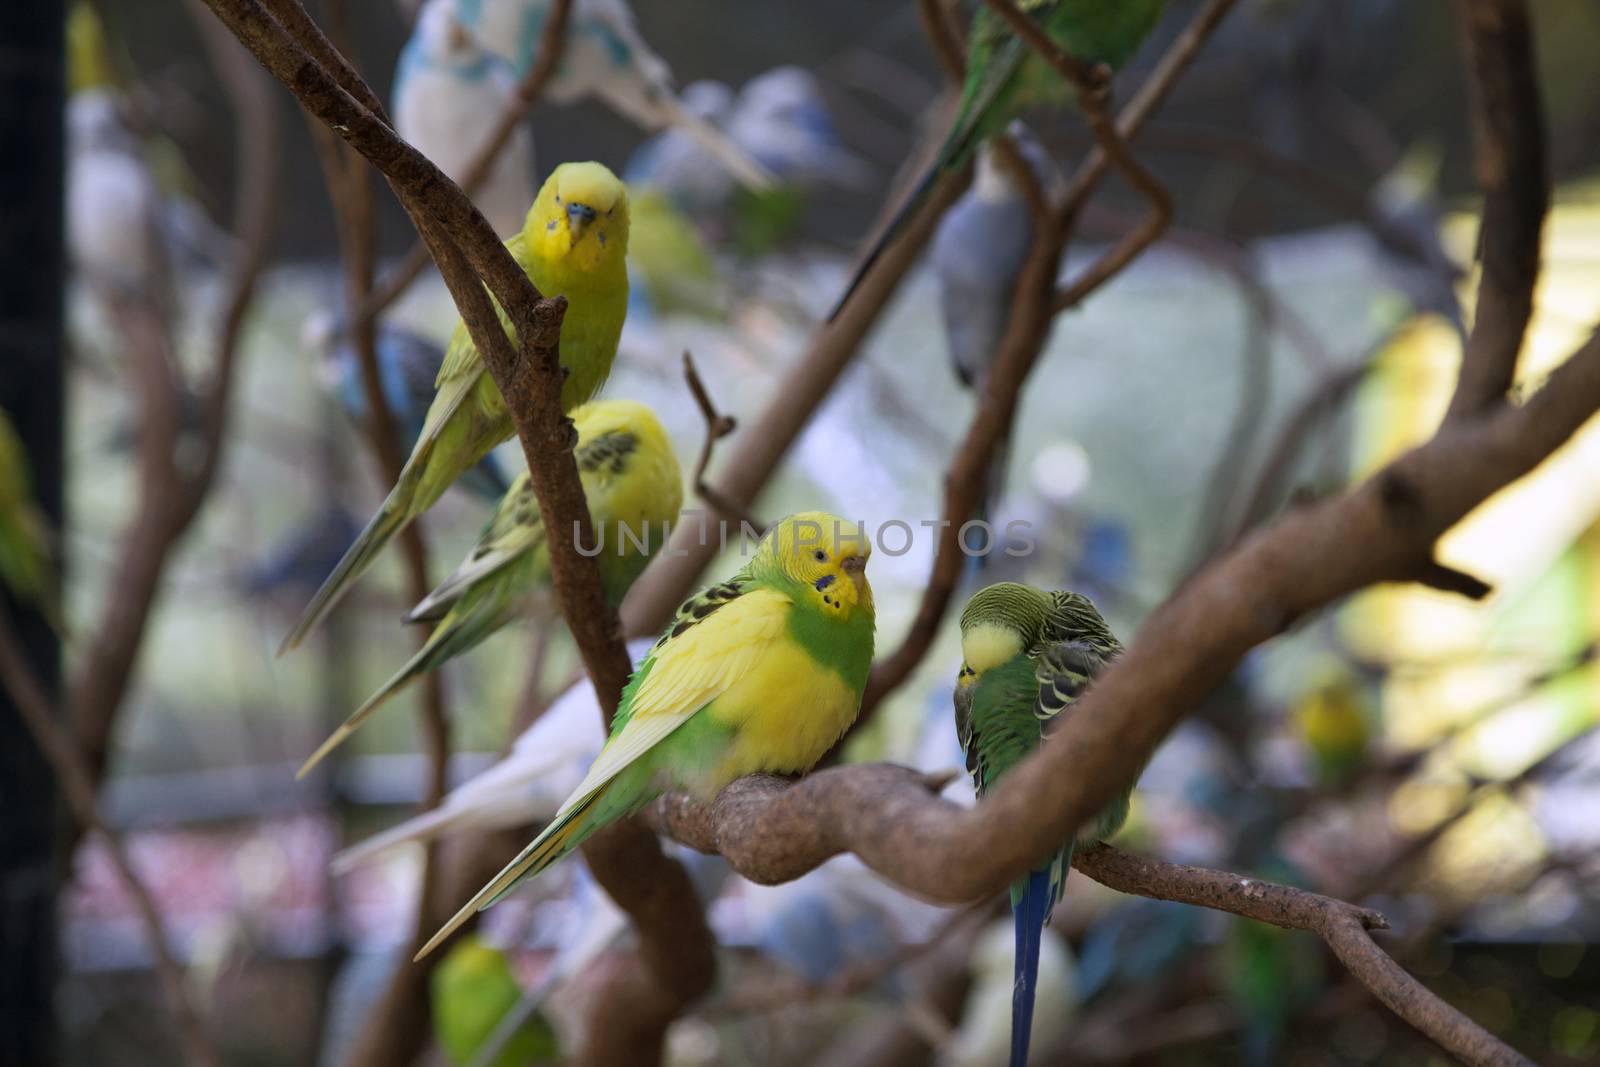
[824, 555]
[580, 218]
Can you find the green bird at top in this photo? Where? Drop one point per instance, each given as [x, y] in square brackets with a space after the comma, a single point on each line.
[1005, 76]
[1027, 655]
[574, 243]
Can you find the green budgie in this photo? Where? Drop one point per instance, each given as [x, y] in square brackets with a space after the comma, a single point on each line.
[1006, 76]
[573, 244]
[472, 990]
[1026, 656]
[634, 488]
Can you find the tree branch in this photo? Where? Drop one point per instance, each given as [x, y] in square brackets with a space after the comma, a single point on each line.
[78, 787]
[718, 426]
[1512, 164]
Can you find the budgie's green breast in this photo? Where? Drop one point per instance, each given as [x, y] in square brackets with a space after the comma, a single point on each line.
[1001, 720]
[597, 303]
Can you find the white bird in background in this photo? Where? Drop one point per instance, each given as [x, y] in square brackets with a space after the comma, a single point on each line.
[114, 204]
[984, 1037]
[544, 765]
[606, 58]
[782, 121]
[675, 162]
[449, 94]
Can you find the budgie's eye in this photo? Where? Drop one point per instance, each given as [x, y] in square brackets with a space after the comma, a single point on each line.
[820, 556]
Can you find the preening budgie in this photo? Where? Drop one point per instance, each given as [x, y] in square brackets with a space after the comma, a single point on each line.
[1005, 76]
[1026, 656]
[546, 762]
[574, 243]
[24, 529]
[605, 57]
[408, 365]
[449, 95]
[980, 1040]
[634, 489]
[471, 991]
[759, 673]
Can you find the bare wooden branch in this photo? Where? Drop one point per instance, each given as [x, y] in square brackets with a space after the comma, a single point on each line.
[718, 426]
[944, 36]
[78, 787]
[1513, 168]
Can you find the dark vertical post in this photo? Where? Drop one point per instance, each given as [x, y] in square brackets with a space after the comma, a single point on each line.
[32, 169]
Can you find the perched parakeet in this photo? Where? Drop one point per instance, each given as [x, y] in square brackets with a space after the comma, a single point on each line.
[1006, 76]
[24, 529]
[634, 489]
[1333, 718]
[408, 365]
[1026, 656]
[471, 991]
[449, 95]
[605, 57]
[574, 243]
[760, 673]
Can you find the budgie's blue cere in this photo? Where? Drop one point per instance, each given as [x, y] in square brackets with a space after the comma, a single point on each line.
[408, 364]
[449, 94]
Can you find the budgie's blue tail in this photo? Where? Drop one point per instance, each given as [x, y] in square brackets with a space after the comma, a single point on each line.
[1029, 912]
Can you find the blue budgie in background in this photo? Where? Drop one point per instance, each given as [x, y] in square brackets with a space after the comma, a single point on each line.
[782, 120]
[449, 94]
[408, 364]
[606, 58]
[676, 163]
[978, 253]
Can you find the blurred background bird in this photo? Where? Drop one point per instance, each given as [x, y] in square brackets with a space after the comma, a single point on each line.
[525, 788]
[1005, 76]
[449, 95]
[984, 1037]
[574, 243]
[408, 365]
[1333, 719]
[605, 57]
[471, 992]
[979, 250]
[634, 489]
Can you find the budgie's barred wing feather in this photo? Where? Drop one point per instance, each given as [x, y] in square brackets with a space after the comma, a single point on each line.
[1063, 671]
[687, 669]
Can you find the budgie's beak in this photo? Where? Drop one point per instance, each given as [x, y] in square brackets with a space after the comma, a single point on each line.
[579, 216]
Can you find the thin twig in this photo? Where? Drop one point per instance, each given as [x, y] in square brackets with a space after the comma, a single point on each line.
[28, 696]
[944, 36]
[718, 426]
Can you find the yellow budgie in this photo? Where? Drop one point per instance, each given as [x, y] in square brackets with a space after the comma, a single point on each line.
[634, 489]
[760, 673]
[573, 244]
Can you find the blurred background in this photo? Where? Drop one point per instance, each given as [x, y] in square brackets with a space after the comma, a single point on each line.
[1298, 327]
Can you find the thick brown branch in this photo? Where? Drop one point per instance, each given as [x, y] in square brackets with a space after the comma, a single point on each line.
[1512, 163]
[33, 705]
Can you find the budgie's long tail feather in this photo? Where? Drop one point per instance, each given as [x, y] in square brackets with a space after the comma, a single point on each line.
[890, 232]
[429, 656]
[1029, 913]
[746, 170]
[393, 517]
[568, 830]
[424, 827]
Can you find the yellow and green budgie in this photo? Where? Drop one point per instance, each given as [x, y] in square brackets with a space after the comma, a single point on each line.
[1006, 76]
[473, 991]
[574, 243]
[634, 489]
[760, 673]
[1027, 655]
